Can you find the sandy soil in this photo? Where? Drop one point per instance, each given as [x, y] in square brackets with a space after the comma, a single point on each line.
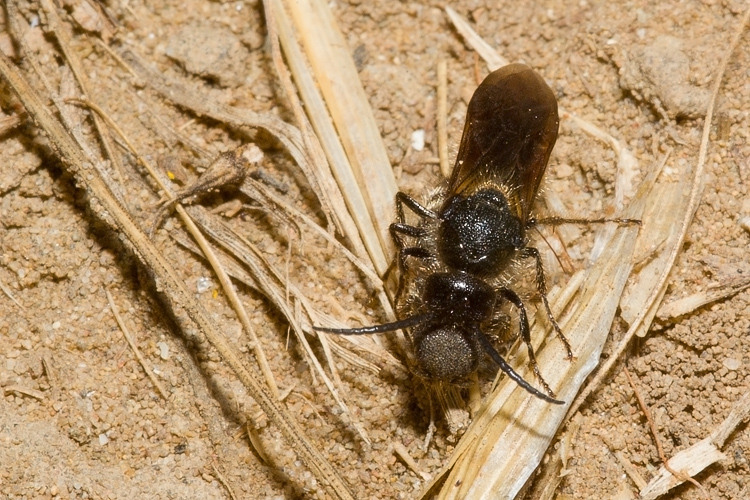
[79, 418]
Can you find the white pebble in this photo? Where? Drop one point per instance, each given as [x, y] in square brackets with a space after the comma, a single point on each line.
[417, 140]
[731, 363]
[163, 350]
[204, 284]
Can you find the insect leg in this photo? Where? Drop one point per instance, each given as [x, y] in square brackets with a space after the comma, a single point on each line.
[514, 299]
[400, 229]
[541, 286]
[413, 205]
[397, 230]
[556, 221]
[508, 370]
[387, 327]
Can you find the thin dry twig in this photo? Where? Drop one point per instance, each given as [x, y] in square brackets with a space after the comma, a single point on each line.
[19, 389]
[131, 342]
[223, 481]
[357, 225]
[403, 453]
[654, 432]
[347, 102]
[9, 294]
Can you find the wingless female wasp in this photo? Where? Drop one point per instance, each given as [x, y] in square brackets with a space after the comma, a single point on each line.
[456, 260]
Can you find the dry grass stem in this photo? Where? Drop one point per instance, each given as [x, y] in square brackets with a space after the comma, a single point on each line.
[234, 299]
[19, 389]
[131, 342]
[484, 49]
[312, 145]
[357, 227]
[340, 85]
[9, 294]
[686, 305]
[403, 453]
[546, 483]
[223, 481]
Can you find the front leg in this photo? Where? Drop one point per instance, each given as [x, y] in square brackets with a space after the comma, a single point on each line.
[541, 286]
[401, 229]
[403, 199]
[397, 231]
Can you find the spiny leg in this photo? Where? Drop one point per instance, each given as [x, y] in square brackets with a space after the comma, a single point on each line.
[387, 327]
[398, 229]
[514, 299]
[413, 205]
[508, 370]
[541, 286]
[401, 229]
[556, 221]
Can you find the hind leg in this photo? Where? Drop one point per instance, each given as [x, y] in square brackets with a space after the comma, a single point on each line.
[514, 299]
[541, 286]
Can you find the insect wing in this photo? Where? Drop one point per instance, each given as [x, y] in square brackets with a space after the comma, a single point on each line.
[511, 128]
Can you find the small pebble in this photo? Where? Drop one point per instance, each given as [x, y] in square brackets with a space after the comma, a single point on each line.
[163, 350]
[731, 363]
[417, 140]
[204, 284]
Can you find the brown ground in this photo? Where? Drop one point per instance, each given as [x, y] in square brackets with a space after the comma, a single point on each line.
[78, 416]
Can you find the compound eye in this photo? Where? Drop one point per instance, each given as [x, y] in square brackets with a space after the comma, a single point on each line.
[446, 353]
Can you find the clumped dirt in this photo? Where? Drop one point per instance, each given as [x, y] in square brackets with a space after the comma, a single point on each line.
[80, 419]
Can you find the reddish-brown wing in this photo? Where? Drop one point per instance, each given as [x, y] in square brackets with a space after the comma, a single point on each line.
[511, 128]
